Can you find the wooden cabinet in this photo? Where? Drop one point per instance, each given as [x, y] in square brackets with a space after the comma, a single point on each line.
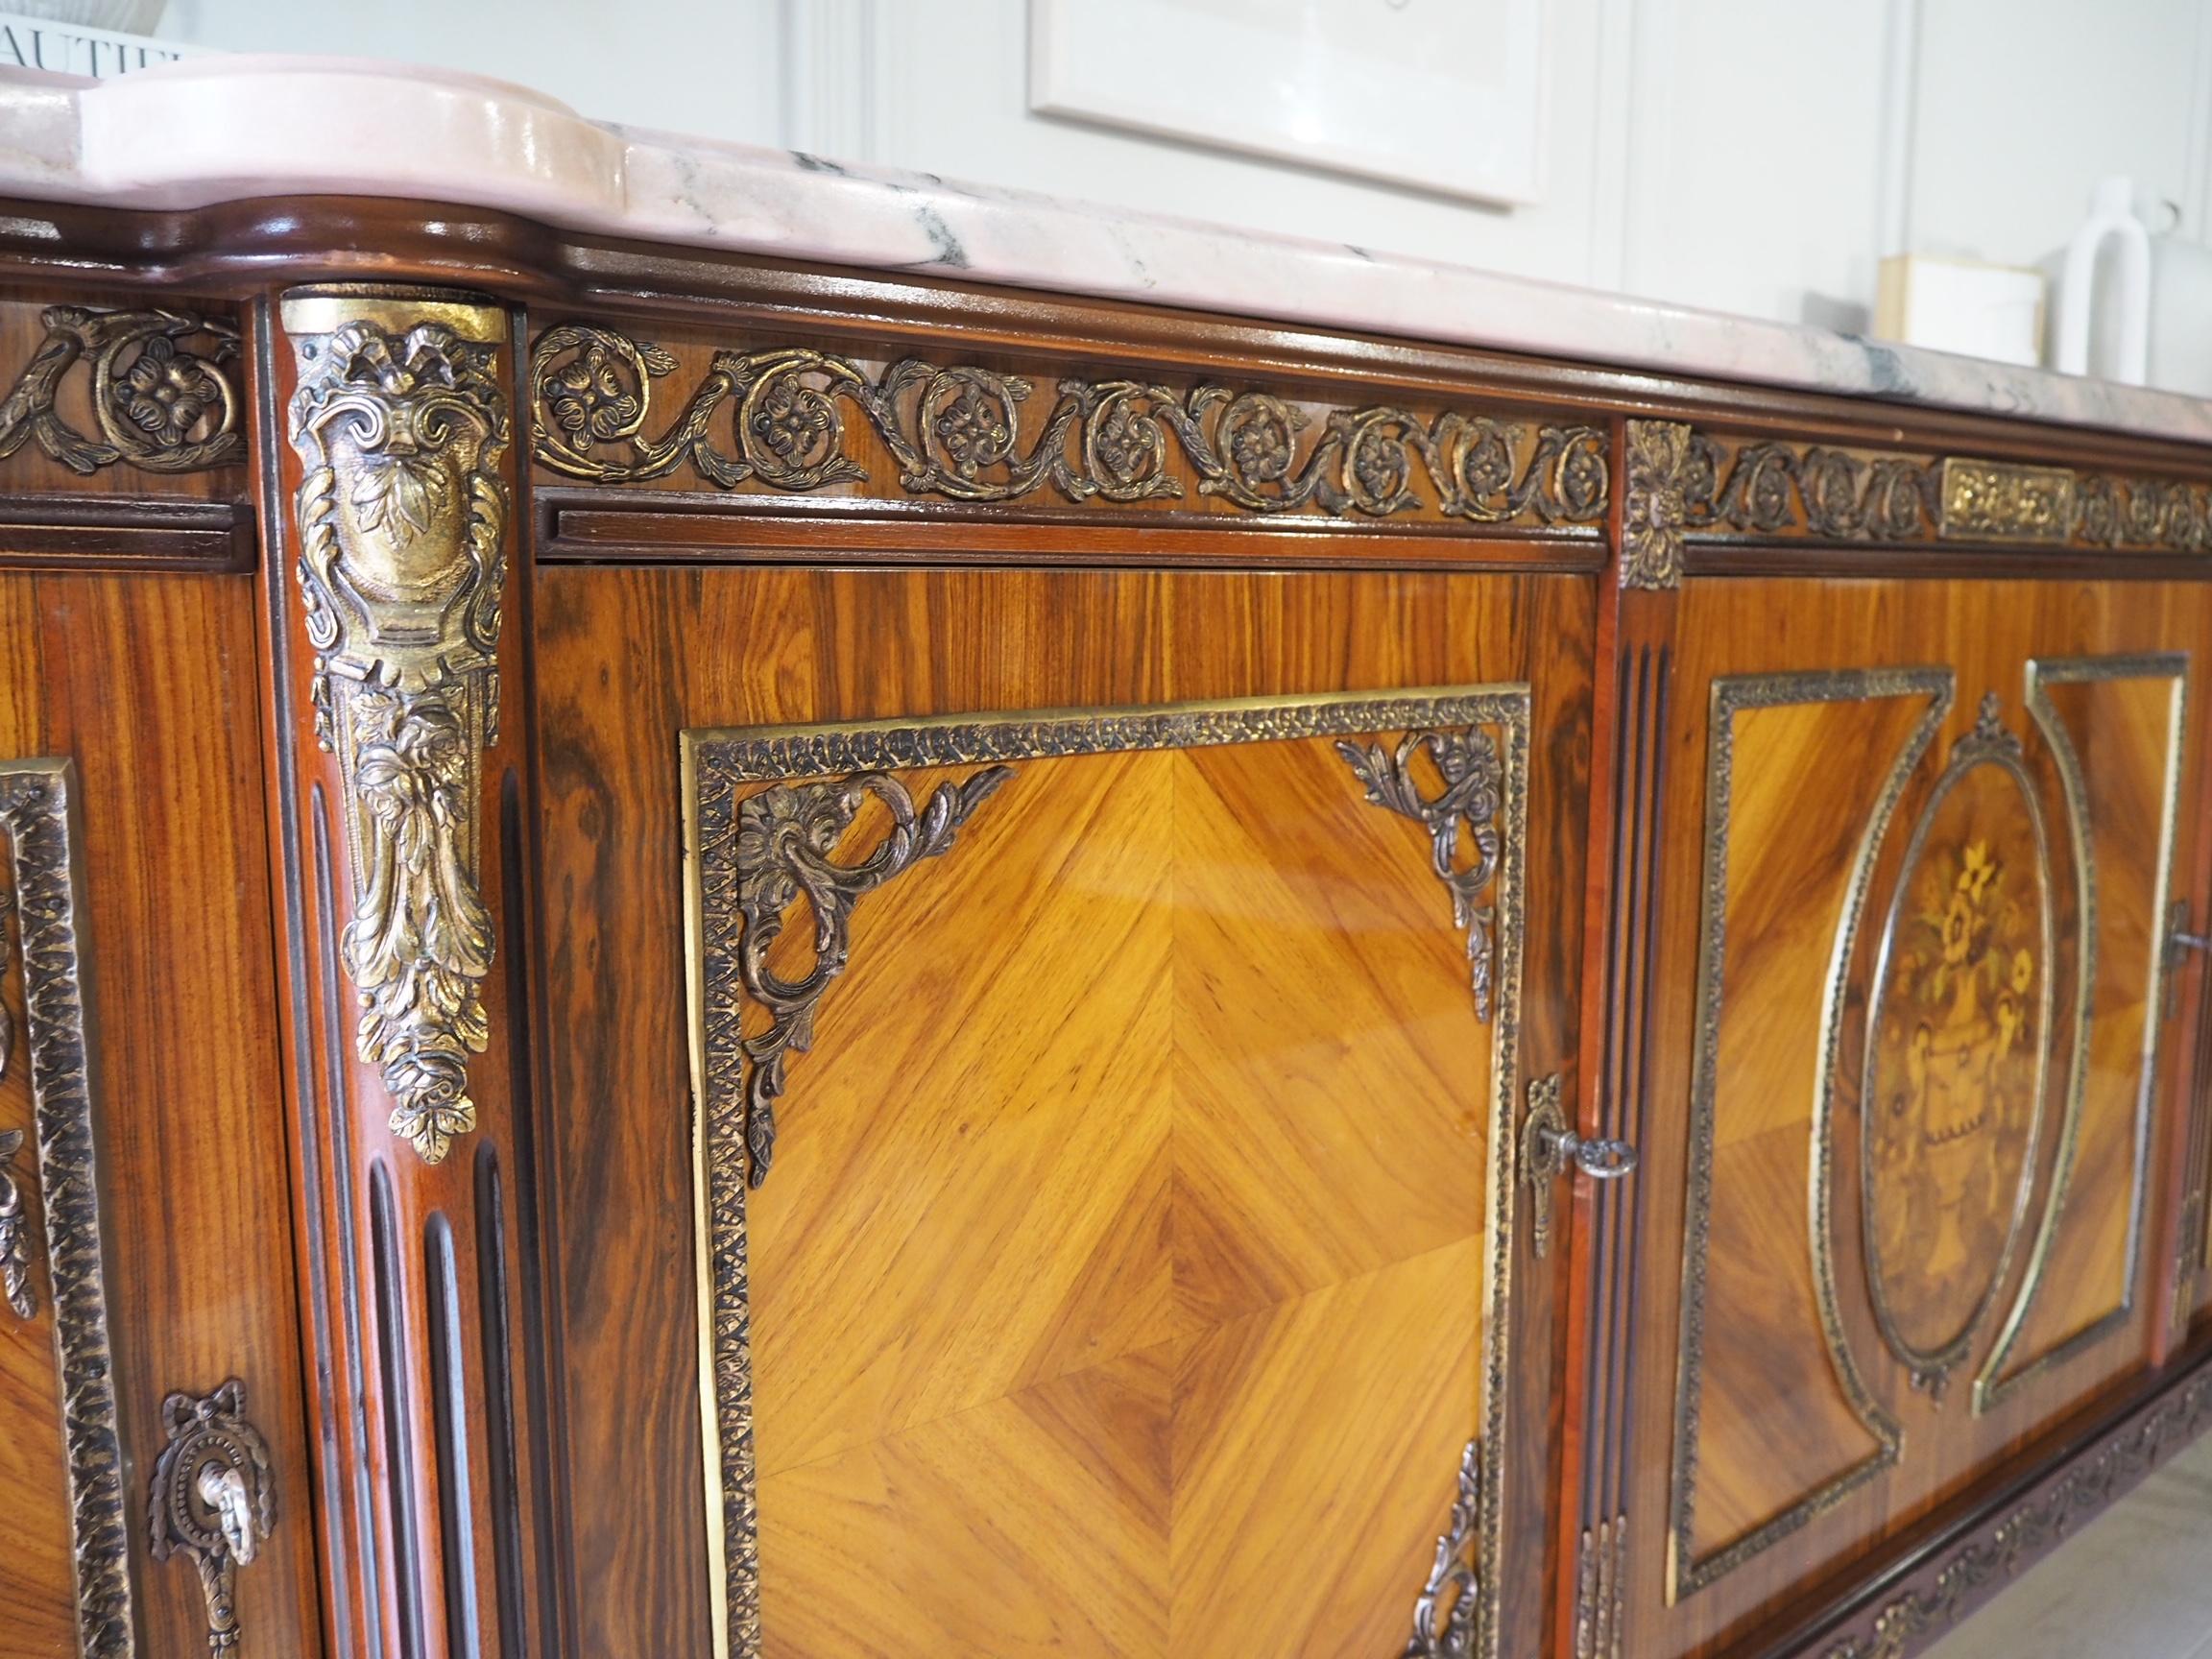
[1914, 877]
[791, 963]
[1108, 1061]
[147, 1335]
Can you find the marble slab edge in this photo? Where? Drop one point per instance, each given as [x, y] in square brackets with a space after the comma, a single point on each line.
[171, 137]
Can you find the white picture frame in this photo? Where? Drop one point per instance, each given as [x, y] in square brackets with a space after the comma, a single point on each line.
[1441, 95]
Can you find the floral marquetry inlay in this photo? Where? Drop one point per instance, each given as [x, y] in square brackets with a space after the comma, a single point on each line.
[1956, 1054]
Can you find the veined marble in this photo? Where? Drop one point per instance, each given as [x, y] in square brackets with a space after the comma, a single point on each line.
[172, 137]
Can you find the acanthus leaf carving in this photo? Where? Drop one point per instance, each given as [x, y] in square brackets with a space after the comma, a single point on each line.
[1446, 1613]
[1473, 779]
[788, 838]
[958, 432]
[1661, 467]
[160, 405]
[402, 526]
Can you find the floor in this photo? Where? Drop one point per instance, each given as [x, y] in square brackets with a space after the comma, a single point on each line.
[2135, 1583]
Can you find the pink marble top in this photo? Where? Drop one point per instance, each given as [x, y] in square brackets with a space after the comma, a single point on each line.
[171, 137]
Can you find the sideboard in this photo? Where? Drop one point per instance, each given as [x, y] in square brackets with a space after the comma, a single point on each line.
[758, 910]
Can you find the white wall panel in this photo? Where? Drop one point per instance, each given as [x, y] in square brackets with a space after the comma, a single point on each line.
[1717, 153]
[960, 108]
[2026, 104]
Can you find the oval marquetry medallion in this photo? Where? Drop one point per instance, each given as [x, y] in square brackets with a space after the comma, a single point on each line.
[1957, 1054]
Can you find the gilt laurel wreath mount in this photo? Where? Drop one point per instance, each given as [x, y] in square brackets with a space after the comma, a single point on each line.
[14, 1235]
[38, 831]
[400, 425]
[959, 432]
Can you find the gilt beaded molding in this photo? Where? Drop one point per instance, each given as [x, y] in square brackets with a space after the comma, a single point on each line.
[782, 418]
[1905, 1624]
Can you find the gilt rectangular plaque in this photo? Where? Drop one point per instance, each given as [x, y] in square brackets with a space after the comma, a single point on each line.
[1981, 499]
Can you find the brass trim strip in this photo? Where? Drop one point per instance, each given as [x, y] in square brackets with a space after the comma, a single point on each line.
[1686, 1573]
[713, 762]
[1991, 1385]
[38, 814]
[1735, 488]
[2004, 500]
[393, 311]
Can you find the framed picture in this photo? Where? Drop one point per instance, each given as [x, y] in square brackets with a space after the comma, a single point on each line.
[1443, 95]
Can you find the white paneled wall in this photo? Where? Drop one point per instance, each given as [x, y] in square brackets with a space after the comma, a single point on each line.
[1721, 153]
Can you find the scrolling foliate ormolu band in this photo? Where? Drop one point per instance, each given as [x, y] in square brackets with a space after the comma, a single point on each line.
[161, 404]
[1736, 488]
[1455, 1611]
[37, 823]
[965, 433]
[400, 420]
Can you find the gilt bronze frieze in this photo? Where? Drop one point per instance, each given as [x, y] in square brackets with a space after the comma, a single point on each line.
[801, 420]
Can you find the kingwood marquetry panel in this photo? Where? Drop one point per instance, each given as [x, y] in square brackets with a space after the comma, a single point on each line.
[1908, 942]
[1761, 1443]
[2120, 725]
[1123, 1282]
[1136, 1181]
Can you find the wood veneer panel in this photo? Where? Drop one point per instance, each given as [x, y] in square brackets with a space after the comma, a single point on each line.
[1172, 1057]
[139, 683]
[629, 656]
[1770, 1435]
[1983, 636]
[2123, 731]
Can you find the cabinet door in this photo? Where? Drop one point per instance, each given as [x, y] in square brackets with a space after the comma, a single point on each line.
[148, 1329]
[1915, 848]
[1114, 998]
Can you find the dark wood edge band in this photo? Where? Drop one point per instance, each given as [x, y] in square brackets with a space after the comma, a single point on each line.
[240, 249]
[40, 532]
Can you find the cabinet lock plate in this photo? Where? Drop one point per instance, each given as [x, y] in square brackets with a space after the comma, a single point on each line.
[1550, 1148]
